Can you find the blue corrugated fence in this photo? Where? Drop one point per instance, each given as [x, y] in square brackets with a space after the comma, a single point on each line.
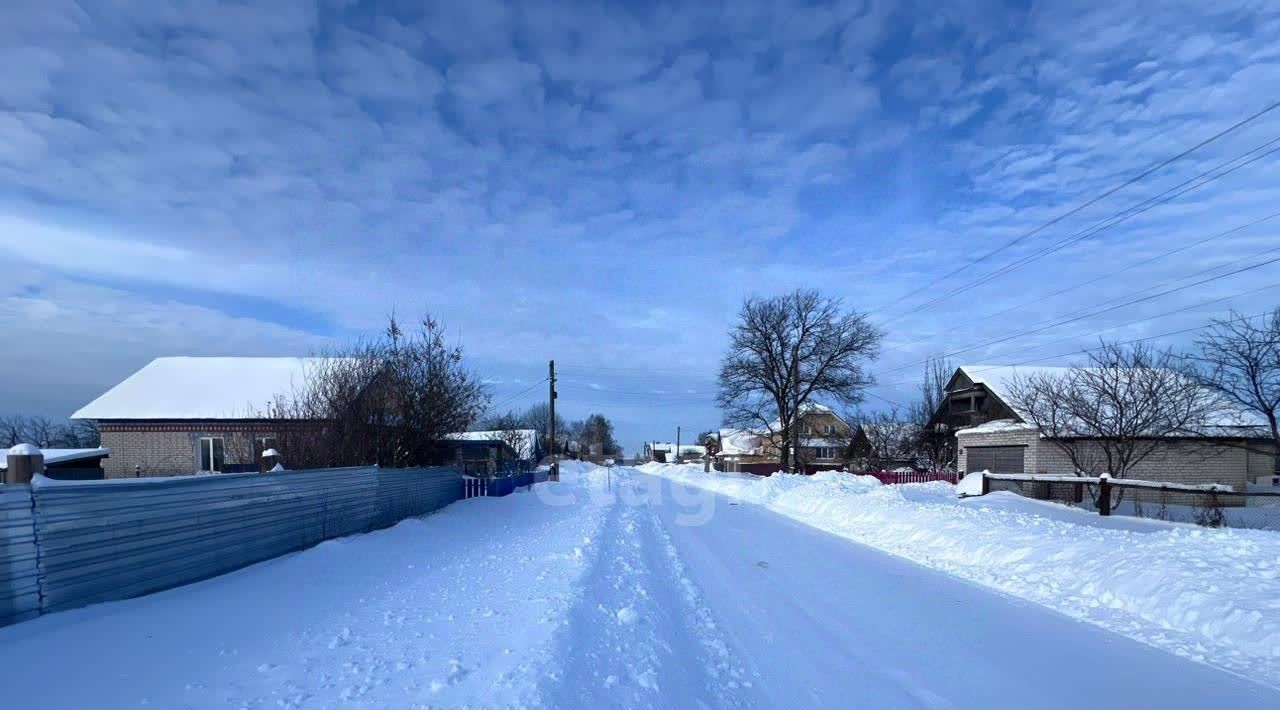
[65, 545]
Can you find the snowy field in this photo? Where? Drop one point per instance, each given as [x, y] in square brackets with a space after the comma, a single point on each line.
[623, 589]
[1210, 595]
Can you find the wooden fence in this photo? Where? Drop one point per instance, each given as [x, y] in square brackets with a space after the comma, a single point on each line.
[1105, 484]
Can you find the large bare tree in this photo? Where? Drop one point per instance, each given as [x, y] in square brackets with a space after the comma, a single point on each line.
[1112, 414]
[936, 447]
[1240, 361]
[388, 401]
[786, 351]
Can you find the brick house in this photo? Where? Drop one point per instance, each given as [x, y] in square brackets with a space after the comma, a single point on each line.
[182, 415]
[825, 440]
[992, 436]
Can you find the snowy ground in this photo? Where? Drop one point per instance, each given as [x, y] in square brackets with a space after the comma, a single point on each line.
[1209, 595]
[605, 590]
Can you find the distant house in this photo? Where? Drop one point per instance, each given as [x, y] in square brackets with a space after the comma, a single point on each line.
[824, 441]
[67, 464]
[993, 436]
[665, 451]
[181, 415]
[490, 453]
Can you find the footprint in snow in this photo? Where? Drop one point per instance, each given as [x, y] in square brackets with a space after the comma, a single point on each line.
[762, 564]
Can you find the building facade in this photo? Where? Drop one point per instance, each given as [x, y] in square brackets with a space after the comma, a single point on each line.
[992, 436]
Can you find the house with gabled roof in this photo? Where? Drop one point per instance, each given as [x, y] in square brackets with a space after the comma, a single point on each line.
[182, 415]
[992, 435]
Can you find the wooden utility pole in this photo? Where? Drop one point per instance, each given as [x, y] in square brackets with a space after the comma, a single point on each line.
[677, 444]
[555, 460]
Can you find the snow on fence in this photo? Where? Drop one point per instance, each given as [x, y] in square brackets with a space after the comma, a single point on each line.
[68, 544]
[1212, 494]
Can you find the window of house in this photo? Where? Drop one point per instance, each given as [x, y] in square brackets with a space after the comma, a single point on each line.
[962, 405]
[824, 452]
[806, 429]
[830, 429]
[212, 454]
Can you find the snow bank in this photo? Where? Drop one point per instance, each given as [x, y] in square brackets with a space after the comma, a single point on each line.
[461, 608]
[1210, 595]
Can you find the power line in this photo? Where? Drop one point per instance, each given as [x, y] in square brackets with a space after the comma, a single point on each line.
[1075, 210]
[1091, 314]
[517, 395]
[1097, 228]
[1120, 325]
[1117, 272]
[1124, 342]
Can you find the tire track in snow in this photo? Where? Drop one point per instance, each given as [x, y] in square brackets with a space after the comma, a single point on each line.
[630, 642]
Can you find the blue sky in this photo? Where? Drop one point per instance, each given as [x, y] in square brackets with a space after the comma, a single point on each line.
[603, 183]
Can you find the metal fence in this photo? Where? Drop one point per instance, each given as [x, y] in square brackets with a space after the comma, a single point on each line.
[19, 591]
[65, 545]
[497, 486]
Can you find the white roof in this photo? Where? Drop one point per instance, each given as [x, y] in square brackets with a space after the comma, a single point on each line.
[524, 441]
[52, 456]
[201, 388]
[997, 426]
[670, 446]
[740, 442]
[999, 379]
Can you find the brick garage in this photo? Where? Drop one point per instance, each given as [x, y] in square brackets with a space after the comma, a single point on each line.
[1194, 461]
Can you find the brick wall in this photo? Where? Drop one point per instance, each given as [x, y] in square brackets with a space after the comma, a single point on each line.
[1192, 462]
[171, 449]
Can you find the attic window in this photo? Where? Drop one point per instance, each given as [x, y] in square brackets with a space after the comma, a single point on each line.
[831, 429]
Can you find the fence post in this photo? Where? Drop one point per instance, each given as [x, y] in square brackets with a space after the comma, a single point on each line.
[986, 483]
[25, 462]
[1104, 494]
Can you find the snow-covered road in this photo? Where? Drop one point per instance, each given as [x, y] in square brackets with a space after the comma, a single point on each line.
[626, 590]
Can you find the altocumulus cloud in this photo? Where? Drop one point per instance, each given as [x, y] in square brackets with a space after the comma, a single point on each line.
[263, 177]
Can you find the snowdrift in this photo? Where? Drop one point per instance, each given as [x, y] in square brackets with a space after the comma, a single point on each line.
[1210, 595]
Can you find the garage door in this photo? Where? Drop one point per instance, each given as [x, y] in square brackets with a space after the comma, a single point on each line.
[996, 459]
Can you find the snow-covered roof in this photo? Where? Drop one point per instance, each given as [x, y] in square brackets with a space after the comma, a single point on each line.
[201, 388]
[812, 442]
[810, 408]
[997, 426]
[670, 446]
[740, 442]
[524, 441]
[999, 380]
[52, 456]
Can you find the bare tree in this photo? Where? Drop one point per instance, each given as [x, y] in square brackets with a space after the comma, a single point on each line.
[538, 418]
[889, 439]
[936, 447]
[1240, 361]
[1112, 414]
[785, 351]
[388, 401]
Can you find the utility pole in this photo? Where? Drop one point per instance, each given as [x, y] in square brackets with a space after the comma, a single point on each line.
[677, 444]
[555, 460]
